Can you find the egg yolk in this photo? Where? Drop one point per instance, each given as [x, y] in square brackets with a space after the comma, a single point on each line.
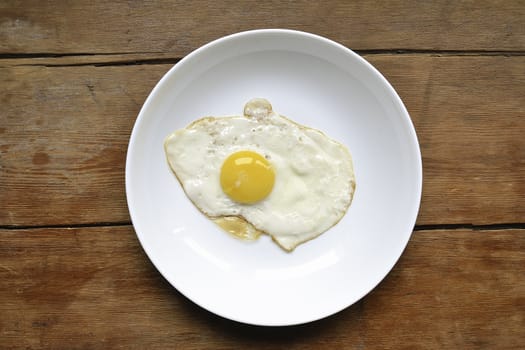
[247, 177]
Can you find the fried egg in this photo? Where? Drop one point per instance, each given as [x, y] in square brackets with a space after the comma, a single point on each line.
[262, 173]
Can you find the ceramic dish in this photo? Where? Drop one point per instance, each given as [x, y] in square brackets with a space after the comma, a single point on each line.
[318, 83]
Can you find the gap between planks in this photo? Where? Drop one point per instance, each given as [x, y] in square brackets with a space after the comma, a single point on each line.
[51, 59]
[393, 51]
[473, 227]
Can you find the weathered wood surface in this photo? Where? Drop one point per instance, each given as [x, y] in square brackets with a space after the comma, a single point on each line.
[95, 288]
[181, 26]
[73, 78]
[64, 133]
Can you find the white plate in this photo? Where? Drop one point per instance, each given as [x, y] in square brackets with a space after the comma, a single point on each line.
[316, 82]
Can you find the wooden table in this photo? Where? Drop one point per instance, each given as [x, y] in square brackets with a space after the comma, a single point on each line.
[73, 78]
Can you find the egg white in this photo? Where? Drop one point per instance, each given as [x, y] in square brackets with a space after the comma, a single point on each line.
[314, 178]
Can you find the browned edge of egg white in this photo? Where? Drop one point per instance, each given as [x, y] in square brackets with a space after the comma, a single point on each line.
[239, 219]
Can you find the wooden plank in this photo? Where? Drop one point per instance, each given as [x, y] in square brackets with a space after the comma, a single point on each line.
[469, 115]
[459, 289]
[180, 27]
[95, 288]
[64, 134]
[63, 141]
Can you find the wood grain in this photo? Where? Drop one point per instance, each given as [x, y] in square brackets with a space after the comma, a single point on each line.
[95, 288]
[64, 132]
[74, 75]
[180, 26]
[469, 113]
